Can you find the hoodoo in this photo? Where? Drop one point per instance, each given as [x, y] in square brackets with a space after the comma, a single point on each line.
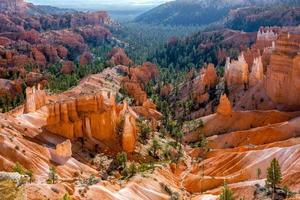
[96, 109]
[236, 71]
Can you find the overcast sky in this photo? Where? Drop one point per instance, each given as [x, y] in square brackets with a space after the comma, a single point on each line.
[87, 3]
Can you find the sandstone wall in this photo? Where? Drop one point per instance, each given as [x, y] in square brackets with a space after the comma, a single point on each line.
[283, 75]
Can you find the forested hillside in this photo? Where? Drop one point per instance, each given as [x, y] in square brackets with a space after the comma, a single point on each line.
[211, 46]
[205, 12]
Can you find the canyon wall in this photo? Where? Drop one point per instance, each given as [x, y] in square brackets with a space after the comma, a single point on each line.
[283, 75]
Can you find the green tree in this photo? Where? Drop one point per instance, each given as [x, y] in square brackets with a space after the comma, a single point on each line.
[154, 148]
[23, 171]
[274, 176]
[144, 130]
[122, 159]
[203, 145]
[52, 176]
[19, 168]
[66, 197]
[288, 192]
[226, 193]
[29, 173]
[132, 170]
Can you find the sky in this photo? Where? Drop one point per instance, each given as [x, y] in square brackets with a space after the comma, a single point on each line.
[99, 3]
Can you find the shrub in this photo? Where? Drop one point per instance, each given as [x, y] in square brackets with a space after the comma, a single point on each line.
[153, 151]
[122, 159]
[52, 176]
[145, 131]
[19, 168]
[66, 197]
[226, 193]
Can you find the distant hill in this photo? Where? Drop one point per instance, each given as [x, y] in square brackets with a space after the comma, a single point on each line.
[203, 12]
[251, 18]
[53, 10]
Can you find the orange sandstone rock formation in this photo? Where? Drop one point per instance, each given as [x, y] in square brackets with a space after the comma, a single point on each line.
[282, 79]
[237, 71]
[118, 57]
[257, 72]
[136, 80]
[224, 107]
[93, 115]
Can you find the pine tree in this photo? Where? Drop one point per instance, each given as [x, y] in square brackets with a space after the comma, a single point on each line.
[274, 175]
[122, 159]
[226, 193]
[154, 148]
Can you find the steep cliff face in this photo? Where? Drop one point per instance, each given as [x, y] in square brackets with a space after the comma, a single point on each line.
[282, 78]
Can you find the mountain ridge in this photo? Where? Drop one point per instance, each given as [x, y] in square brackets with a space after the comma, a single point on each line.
[202, 12]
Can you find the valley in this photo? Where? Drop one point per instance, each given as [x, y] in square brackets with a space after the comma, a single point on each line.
[93, 108]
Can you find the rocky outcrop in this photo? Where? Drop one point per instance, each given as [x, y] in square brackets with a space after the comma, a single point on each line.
[73, 41]
[204, 82]
[7, 88]
[266, 36]
[208, 76]
[282, 78]
[224, 107]
[85, 58]
[257, 73]
[35, 99]
[39, 57]
[129, 135]
[94, 35]
[33, 79]
[64, 149]
[93, 116]
[118, 57]
[166, 90]
[236, 71]
[67, 67]
[137, 78]
[144, 73]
